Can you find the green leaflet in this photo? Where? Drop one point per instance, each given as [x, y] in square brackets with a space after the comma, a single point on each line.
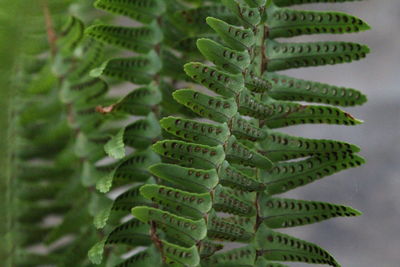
[287, 176]
[188, 44]
[141, 10]
[146, 258]
[131, 169]
[255, 3]
[138, 69]
[124, 202]
[220, 82]
[187, 231]
[235, 37]
[298, 2]
[139, 39]
[236, 152]
[140, 134]
[248, 16]
[192, 21]
[189, 179]
[244, 129]
[238, 257]
[288, 88]
[89, 147]
[86, 91]
[208, 248]
[219, 228]
[284, 22]
[234, 201]
[195, 131]
[281, 213]
[228, 59]
[281, 247]
[283, 56]
[276, 114]
[256, 84]
[71, 35]
[132, 233]
[192, 205]
[231, 177]
[191, 154]
[90, 54]
[215, 108]
[182, 255]
[261, 262]
[278, 146]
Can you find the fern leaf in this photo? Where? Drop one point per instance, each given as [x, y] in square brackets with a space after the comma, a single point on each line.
[220, 82]
[141, 10]
[285, 22]
[147, 258]
[181, 255]
[287, 176]
[298, 2]
[187, 231]
[228, 59]
[288, 88]
[233, 202]
[215, 108]
[283, 56]
[189, 179]
[192, 205]
[139, 39]
[281, 213]
[195, 131]
[248, 16]
[190, 154]
[243, 257]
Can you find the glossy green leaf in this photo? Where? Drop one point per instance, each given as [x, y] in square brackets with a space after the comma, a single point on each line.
[281, 247]
[282, 212]
[231, 177]
[284, 22]
[189, 179]
[141, 10]
[131, 169]
[228, 59]
[180, 202]
[278, 146]
[139, 39]
[236, 152]
[195, 131]
[191, 154]
[138, 69]
[287, 176]
[233, 201]
[214, 108]
[257, 84]
[261, 262]
[235, 37]
[185, 230]
[282, 56]
[182, 255]
[288, 88]
[220, 82]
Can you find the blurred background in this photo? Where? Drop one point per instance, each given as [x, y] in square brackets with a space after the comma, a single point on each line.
[374, 238]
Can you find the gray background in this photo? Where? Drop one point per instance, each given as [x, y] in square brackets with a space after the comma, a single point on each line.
[373, 239]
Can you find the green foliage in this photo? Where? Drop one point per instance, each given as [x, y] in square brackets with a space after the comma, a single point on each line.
[195, 167]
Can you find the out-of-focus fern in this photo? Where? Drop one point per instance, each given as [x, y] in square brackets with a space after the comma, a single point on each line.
[197, 167]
